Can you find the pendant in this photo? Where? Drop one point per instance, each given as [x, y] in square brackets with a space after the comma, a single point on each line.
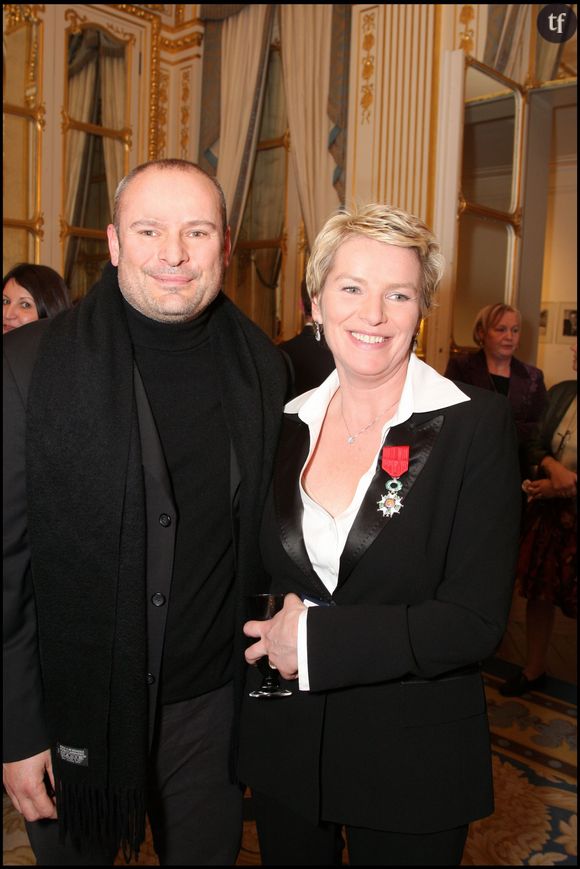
[392, 502]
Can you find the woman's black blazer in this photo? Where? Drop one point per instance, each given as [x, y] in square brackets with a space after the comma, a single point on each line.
[393, 734]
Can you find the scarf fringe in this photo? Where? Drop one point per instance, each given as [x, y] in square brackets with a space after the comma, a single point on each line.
[101, 816]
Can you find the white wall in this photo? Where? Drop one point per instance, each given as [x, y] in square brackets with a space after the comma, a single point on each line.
[559, 282]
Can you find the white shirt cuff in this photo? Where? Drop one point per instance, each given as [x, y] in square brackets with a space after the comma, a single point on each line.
[303, 681]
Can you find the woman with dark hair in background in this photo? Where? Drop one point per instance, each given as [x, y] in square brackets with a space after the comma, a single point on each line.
[32, 292]
[497, 332]
[547, 574]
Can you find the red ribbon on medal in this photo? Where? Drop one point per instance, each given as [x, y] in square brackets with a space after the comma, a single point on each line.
[395, 460]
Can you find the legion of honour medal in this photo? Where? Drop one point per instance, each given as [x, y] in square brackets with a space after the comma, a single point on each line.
[395, 461]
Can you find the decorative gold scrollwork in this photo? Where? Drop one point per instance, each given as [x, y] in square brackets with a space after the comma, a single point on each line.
[185, 100]
[17, 13]
[368, 66]
[466, 16]
[75, 21]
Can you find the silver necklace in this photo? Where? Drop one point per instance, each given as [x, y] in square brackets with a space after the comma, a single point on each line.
[352, 437]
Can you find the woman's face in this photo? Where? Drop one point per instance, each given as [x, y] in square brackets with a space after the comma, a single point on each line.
[501, 341]
[18, 306]
[369, 308]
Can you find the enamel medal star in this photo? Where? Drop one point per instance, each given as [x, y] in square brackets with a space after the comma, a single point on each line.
[395, 461]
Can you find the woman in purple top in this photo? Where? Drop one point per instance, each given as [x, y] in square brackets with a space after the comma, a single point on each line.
[497, 332]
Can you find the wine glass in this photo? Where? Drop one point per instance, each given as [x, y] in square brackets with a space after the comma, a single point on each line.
[262, 607]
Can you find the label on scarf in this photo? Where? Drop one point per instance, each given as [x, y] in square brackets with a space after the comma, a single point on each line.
[395, 460]
[78, 756]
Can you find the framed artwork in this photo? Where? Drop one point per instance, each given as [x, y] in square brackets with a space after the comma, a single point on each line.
[548, 317]
[567, 325]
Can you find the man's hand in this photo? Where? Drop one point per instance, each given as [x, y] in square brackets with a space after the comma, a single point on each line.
[24, 781]
[278, 638]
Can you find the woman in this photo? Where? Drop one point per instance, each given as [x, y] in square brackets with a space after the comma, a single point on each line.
[31, 292]
[497, 332]
[397, 565]
[547, 570]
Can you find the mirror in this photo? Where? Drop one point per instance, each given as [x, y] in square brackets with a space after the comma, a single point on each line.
[488, 216]
[489, 164]
[483, 257]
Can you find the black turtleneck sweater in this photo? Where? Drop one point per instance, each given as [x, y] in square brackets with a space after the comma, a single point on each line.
[176, 364]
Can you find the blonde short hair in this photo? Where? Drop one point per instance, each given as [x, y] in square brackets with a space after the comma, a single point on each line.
[381, 223]
[489, 317]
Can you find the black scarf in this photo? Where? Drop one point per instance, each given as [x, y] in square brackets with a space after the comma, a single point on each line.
[86, 511]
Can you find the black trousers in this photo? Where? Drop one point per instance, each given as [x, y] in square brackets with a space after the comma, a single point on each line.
[286, 839]
[194, 810]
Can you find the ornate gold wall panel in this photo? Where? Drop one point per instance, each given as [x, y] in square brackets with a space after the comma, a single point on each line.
[392, 94]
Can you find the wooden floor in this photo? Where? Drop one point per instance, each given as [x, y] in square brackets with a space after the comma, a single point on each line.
[562, 657]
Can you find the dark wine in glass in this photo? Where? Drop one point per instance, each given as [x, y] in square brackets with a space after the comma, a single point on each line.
[262, 607]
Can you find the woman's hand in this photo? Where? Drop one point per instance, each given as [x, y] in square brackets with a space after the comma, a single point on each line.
[278, 638]
[562, 480]
[539, 489]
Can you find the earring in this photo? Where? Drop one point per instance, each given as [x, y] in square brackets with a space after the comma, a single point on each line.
[317, 330]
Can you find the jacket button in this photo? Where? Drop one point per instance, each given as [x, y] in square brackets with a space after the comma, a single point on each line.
[165, 520]
[158, 599]
[150, 678]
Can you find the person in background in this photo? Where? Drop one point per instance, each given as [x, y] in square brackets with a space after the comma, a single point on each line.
[547, 568]
[396, 560]
[140, 431]
[31, 292]
[497, 332]
[310, 359]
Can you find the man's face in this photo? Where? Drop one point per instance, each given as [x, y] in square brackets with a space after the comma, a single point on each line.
[170, 249]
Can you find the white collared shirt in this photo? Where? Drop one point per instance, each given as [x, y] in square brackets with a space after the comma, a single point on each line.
[325, 535]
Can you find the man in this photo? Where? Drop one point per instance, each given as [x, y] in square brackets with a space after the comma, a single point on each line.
[140, 429]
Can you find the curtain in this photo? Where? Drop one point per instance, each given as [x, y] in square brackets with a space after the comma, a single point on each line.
[306, 39]
[243, 78]
[113, 87]
[338, 92]
[82, 106]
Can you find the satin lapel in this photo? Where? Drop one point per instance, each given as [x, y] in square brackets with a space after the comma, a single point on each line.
[292, 453]
[370, 522]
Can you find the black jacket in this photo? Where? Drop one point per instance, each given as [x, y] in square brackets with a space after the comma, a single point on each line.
[393, 734]
[25, 732]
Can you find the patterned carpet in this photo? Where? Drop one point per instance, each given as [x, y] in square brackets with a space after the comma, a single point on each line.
[534, 761]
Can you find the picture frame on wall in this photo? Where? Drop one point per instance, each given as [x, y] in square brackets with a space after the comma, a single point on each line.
[567, 325]
[547, 324]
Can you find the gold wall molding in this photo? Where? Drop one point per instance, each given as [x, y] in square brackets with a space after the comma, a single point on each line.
[179, 13]
[18, 13]
[173, 45]
[185, 112]
[164, 78]
[31, 89]
[35, 226]
[155, 70]
[75, 20]
[37, 114]
[466, 36]
[68, 123]
[368, 66]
